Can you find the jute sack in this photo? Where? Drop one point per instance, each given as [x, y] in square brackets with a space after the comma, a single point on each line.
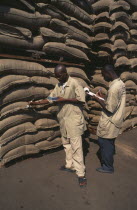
[20, 4]
[119, 26]
[134, 17]
[101, 6]
[131, 47]
[119, 44]
[81, 82]
[22, 18]
[133, 3]
[95, 112]
[130, 84]
[16, 32]
[45, 145]
[79, 45]
[88, 29]
[46, 123]
[124, 35]
[133, 63]
[71, 9]
[119, 53]
[102, 17]
[12, 121]
[28, 139]
[24, 94]
[52, 35]
[102, 27]
[84, 4]
[129, 76]
[44, 81]
[16, 132]
[71, 32]
[122, 61]
[52, 11]
[12, 109]
[128, 112]
[9, 81]
[32, 44]
[122, 17]
[94, 105]
[48, 111]
[77, 72]
[12, 66]
[129, 123]
[61, 50]
[98, 80]
[19, 152]
[119, 6]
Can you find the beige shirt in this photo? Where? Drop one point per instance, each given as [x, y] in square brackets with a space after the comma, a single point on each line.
[110, 124]
[70, 116]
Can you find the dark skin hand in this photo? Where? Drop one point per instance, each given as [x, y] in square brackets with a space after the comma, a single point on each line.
[101, 102]
[59, 100]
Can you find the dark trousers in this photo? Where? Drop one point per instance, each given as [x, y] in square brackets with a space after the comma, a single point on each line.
[107, 150]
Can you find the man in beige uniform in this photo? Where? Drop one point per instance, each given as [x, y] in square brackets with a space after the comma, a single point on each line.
[111, 119]
[70, 98]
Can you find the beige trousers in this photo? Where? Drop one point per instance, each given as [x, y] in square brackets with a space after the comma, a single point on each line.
[74, 154]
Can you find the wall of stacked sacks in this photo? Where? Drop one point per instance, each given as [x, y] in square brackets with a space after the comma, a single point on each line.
[85, 32]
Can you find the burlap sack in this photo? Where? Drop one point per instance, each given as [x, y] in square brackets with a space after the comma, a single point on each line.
[32, 44]
[45, 145]
[122, 61]
[61, 50]
[52, 35]
[88, 29]
[12, 66]
[26, 93]
[13, 121]
[19, 152]
[129, 124]
[44, 81]
[46, 123]
[52, 11]
[122, 17]
[102, 17]
[119, 26]
[12, 109]
[102, 27]
[20, 4]
[71, 9]
[16, 132]
[101, 6]
[9, 81]
[16, 32]
[129, 76]
[124, 35]
[119, 6]
[71, 32]
[29, 139]
[22, 18]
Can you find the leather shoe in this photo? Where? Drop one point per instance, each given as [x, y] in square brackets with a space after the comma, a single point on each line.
[102, 170]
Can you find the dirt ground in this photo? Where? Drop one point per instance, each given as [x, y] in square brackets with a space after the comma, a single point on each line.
[38, 184]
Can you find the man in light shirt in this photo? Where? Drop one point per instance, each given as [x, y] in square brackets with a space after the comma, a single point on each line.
[70, 97]
[111, 119]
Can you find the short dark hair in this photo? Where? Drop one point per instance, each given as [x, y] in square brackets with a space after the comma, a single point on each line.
[60, 68]
[109, 67]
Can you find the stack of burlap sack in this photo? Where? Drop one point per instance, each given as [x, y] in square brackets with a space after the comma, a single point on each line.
[115, 40]
[57, 28]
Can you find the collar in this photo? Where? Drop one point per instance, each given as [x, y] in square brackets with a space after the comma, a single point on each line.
[67, 83]
[114, 81]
